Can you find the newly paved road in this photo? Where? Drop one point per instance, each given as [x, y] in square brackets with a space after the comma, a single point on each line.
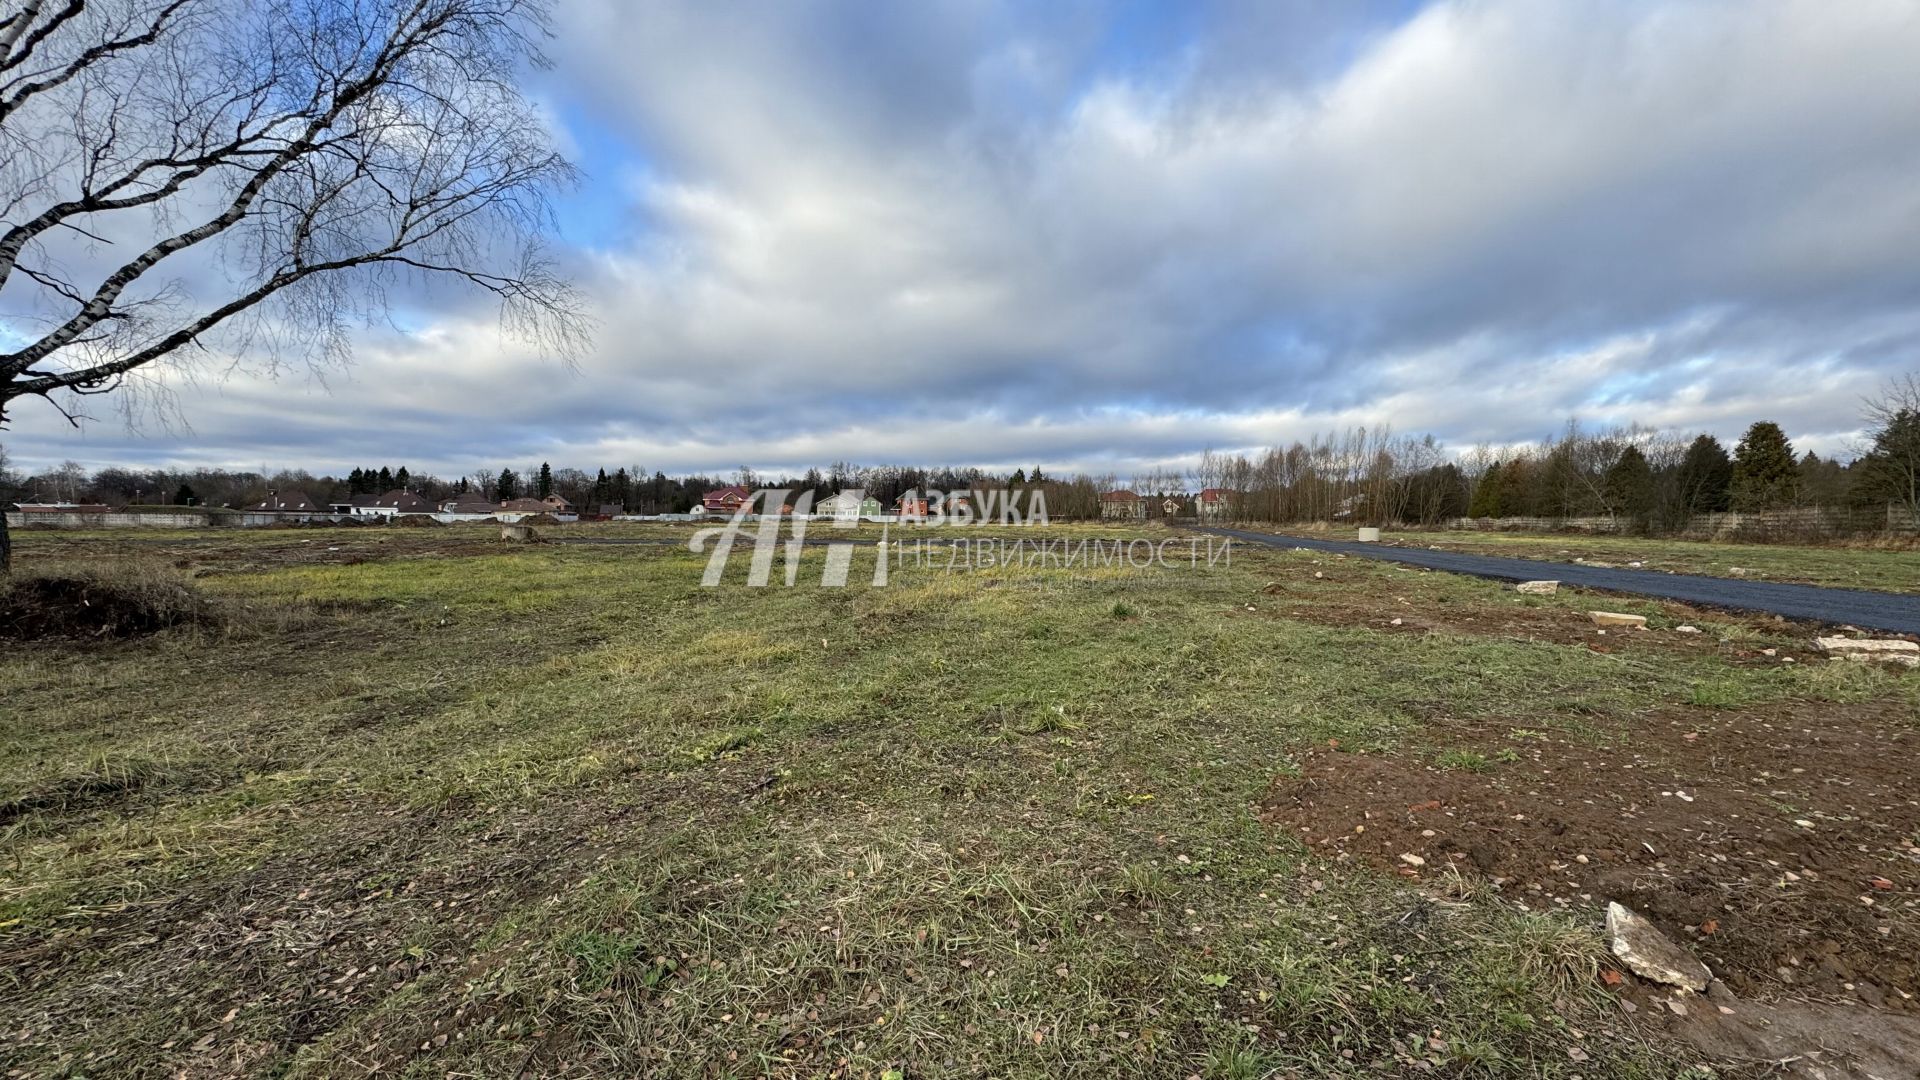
[1857, 607]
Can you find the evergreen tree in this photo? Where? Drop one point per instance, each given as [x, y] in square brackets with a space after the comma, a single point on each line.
[386, 480]
[354, 480]
[1516, 493]
[1629, 486]
[622, 489]
[1018, 478]
[1765, 476]
[1706, 477]
[1035, 478]
[402, 478]
[1486, 496]
[184, 496]
[460, 488]
[546, 481]
[507, 487]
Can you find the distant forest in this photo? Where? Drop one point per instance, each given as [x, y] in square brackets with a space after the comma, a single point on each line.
[1653, 480]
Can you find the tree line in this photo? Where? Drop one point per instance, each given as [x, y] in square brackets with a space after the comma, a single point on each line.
[1651, 480]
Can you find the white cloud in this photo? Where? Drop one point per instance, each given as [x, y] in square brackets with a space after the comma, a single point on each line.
[968, 233]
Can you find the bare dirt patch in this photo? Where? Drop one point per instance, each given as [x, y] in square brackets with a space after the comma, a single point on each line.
[1781, 844]
[85, 608]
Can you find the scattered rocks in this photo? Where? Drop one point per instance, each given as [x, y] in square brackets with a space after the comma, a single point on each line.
[1538, 588]
[1615, 618]
[1686, 629]
[1884, 650]
[1652, 955]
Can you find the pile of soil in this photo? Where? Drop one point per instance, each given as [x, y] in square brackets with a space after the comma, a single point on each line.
[538, 519]
[80, 608]
[1780, 843]
[416, 521]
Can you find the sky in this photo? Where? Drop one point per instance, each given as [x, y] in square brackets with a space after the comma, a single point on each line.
[1104, 236]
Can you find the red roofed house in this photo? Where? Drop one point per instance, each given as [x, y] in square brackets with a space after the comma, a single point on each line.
[1216, 502]
[1122, 504]
[726, 500]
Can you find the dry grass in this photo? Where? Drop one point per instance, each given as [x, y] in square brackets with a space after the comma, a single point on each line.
[467, 810]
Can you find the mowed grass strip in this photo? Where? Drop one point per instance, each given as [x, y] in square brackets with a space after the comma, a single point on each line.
[563, 811]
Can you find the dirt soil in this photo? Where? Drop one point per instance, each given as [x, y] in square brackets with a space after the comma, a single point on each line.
[1779, 844]
[50, 608]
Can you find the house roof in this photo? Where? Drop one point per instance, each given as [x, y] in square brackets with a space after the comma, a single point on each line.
[526, 506]
[1217, 494]
[730, 493]
[403, 502]
[1120, 496]
[286, 501]
[558, 500]
[64, 508]
[471, 503]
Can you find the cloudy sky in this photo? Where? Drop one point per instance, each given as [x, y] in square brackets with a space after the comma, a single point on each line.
[1106, 235]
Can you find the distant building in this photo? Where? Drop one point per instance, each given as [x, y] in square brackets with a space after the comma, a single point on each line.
[285, 502]
[1123, 505]
[1217, 502]
[848, 506]
[62, 508]
[471, 502]
[726, 500]
[395, 503]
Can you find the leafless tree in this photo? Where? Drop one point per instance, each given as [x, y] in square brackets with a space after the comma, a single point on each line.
[254, 178]
[1890, 460]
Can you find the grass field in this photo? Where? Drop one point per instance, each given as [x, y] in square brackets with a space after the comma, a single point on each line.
[421, 804]
[1884, 567]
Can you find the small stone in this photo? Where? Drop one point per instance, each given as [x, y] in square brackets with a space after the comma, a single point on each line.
[1538, 588]
[1412, 860]
[1650, 954]
[1616, 618]
[1686, 629]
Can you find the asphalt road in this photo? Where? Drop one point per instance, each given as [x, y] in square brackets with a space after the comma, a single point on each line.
[1856, 607]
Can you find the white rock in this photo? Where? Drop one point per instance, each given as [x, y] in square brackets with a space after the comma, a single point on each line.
[1886, 650]
[1615, 618]
[1412, 860]
[1652, 955]
[1538, 588]
[1686, 629]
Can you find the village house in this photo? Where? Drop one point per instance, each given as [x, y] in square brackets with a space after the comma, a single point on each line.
[726, 500]
[918, 508]
[396, 503]
[1214, 503]
[471, 502]
[1123, 505]
[285, 502]
[848, 506]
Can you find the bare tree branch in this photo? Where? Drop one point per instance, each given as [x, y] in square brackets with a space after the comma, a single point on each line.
[283, 163]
